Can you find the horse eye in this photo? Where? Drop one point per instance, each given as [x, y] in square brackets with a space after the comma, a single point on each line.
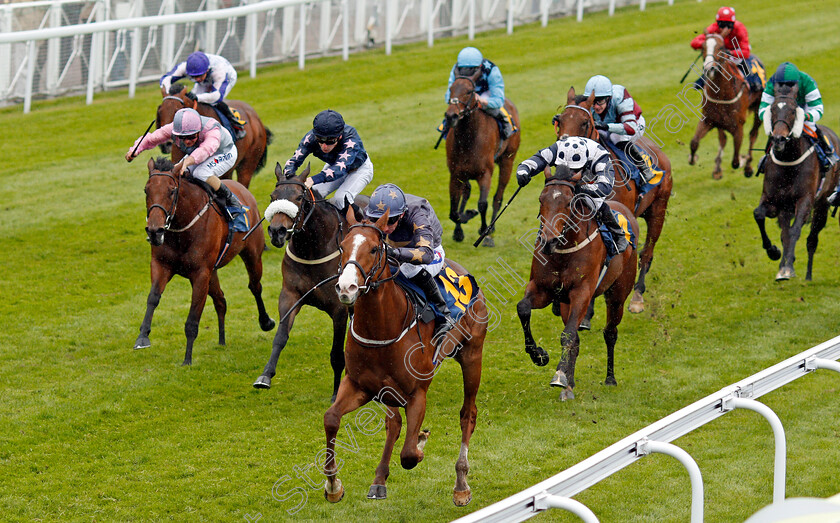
[373, 251]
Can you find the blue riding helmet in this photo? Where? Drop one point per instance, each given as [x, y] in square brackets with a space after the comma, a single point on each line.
[386, 197]
[328, 124]
[600, 84]
[197, 64]
[470, 57]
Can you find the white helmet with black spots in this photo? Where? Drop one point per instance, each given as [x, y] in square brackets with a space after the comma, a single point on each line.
[573, 152]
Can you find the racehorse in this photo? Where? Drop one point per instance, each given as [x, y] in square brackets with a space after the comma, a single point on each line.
[391, 359]
[313, 229]
[568, 272]
[188, 234]
[473, 145]
[727, 101]
[576, 120]
[792, 185]
[252, 150]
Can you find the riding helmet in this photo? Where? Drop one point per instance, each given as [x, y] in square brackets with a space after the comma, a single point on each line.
[386, 197]
[600, 84]
[725, 14]
[187, 122]
[470, 57]
[573, 152]
[787, 73]
[328, 124]
[197, 64]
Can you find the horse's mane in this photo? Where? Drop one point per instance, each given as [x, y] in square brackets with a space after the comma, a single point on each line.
[176, 89]
[561, 172]
[163, 164]
[785, 90]
[580, 98]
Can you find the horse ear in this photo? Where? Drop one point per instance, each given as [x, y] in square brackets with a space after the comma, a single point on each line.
[382, 222]
[305, 173]
[163, 91]
[151, 164]
[587, 104]
[278, 172]
[570, 96]
[351, 215]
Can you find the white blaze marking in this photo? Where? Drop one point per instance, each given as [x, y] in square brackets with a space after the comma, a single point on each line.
[348, 275]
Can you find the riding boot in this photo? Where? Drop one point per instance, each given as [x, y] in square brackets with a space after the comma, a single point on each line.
[230, 200]
[507, 128]
[638, 158]
[762, 164]
[830, 154]
[238, 128]
[427, 284]
[606, 217]
[699, 83]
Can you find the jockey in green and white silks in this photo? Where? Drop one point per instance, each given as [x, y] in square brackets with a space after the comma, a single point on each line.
[618, 117]
[808, 97]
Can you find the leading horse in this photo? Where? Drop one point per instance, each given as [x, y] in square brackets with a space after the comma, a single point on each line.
[252, 150]
[576, 120]
[792, 184]
[311, 229]
[188, 233]
[568, 271]
[391, 359]
[727, 102]
[473, 146]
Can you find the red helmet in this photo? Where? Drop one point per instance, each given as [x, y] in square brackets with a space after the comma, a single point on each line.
[725, 14]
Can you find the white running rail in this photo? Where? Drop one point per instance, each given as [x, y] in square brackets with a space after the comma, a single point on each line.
[556, 491]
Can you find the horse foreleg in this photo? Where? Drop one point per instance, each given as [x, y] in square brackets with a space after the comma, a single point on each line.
[415, 412]
[702, 129]
[252, 258]
[717, 173]
[200, 286]
[219, 303]
[615, 297]
[349, 398]
[288, 298]
[160, 277]
[737, 138]
[484, 192]
[791, 231]
[534, 298]
[455, 190]
[337, 350]
[818, 221]
[393, 425]
[760, 213]
[565, 375]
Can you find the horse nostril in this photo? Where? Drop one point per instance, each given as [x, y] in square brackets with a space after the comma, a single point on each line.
[337, 288]
[352, 288]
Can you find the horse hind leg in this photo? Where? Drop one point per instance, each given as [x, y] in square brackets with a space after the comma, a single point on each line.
[219, 303]
[470, 360]
[393, 425]
[655, 220]
[586, 324]
[818, 221]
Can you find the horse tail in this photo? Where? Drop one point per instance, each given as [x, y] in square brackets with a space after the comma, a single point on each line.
[269, 136]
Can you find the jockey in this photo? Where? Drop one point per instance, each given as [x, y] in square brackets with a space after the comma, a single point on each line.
[348, 168]
[736, 40]
[214, 78]
[810, 100]
[618, 117]
[413, 239]
[592, 161]
[209, 148]
[490, 87]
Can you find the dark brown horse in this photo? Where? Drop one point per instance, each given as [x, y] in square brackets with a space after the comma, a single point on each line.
[252, 150]
[473, 146]
[568, 272]
[391, 359]
[792, 184]
[313, 230]
[576, 120]
[188, 235]
[727, 104]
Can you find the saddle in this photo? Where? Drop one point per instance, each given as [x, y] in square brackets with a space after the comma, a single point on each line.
[459, 291]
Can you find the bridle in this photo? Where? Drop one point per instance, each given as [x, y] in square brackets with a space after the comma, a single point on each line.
[589, 126]
[723, 65]
[381, 260]
[469, 106]
[554, 180]
[788, 99]
[300, 221]
[170, 213]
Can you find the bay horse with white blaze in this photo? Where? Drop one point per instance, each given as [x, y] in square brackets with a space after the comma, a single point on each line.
[188, 234]
[727, 102]
[576, 120]
[311, 229]
[568, 272]
[252, 150]
[473, 147]
[393, 362]
[792, 185]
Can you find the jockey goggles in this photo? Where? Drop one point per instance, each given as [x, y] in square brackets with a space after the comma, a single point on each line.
[726, 25]
[327, 140]
[467, 71]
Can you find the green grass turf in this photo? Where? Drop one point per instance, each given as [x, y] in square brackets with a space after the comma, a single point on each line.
[93, 430]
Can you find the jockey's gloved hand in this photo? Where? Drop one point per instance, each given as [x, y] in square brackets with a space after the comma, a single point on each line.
[191, 96]
[601, 126]
[392, 252]
[522, 178]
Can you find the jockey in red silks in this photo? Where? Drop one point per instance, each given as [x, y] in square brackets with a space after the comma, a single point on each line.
[737, 42]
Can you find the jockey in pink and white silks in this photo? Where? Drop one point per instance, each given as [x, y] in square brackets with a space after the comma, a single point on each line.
[209, 149]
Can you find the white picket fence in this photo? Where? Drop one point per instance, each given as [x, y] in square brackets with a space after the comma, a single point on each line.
[556, 492]
[54, 47]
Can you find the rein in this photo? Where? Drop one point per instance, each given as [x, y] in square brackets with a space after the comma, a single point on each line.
[367, 284]
[169, 214]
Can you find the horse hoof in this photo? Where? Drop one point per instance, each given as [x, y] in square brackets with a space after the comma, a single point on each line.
[186, 363]
[585, 325]
[774, 253]
[637, 303]
[748, 172]
[458, 235]
[267, 325]
[538, 356]
[717, 175]
[559, 380]
[785, 273]
[567, 394]
[488, 242]
[610, 381]
[461, 498]
[468, 215]
[377, 492]
[263, 382]
[142, 343]
[334, 497]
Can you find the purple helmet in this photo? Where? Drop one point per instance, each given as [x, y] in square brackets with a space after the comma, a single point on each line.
[197, 64]
[187, 122]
